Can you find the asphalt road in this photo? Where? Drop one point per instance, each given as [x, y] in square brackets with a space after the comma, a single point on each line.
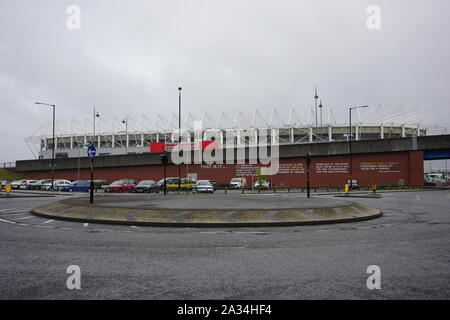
[410, 244]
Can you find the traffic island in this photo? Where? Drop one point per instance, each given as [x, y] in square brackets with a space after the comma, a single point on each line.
[203, 210]
[359, 195]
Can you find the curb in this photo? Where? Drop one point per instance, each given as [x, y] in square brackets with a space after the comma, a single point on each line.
[176, 220]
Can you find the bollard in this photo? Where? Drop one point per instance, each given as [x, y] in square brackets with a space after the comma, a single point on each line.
[346, 188]
[374, 188]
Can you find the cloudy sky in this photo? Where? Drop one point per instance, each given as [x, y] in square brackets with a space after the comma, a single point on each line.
[129, 57]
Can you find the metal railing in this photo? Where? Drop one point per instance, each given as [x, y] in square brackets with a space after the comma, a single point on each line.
[8, 165]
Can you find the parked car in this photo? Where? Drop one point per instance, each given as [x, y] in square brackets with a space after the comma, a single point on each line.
[3, 183]
[78, 186]
[15, 184]
[170, 180]
[148, 186]
[57, 184]
[353, 184]
[262, 184]
[238, 182]
[38, 184]
[214, 184]
[203, 186]
[123, 185]
[185, 184]
[26, 183]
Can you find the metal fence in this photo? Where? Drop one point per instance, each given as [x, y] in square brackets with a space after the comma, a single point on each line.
[8, 165]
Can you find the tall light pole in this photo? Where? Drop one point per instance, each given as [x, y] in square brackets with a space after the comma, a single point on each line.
[315, 101]
[96, 115]
[53, 144]
[320, 107]
[350, 141]
[179, 135]
[125, 121]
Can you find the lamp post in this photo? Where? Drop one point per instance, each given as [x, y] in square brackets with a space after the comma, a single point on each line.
[179, 135]
[315, 102]
[53, 144]
[125, 121]
[350, 141]
[320, 107]
[96, 115]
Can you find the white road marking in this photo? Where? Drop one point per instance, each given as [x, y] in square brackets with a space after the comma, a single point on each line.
[19, 213]
[3, 210]
[85, 224]
[134, 227]
[7, 221]
[417, 197]
[23, 218]
[48, 221]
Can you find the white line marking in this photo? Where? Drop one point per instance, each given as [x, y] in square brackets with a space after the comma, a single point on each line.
[7, 221]
[23, 218]
[17, 213]
[48, 221]
[134, 227]
[3, 210]
[85, 224]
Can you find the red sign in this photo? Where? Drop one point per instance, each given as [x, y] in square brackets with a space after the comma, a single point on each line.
[157, 147]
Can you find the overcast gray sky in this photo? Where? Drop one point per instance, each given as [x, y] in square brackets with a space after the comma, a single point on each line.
[129, 57]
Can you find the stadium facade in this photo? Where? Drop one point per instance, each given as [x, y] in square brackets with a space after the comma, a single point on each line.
[131, 136]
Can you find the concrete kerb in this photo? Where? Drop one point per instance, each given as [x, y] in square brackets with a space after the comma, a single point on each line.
[206, 218]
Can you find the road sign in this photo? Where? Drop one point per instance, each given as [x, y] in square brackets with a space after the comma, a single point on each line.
[91, 152]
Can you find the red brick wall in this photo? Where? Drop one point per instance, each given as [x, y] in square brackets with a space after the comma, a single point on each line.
[377, 168]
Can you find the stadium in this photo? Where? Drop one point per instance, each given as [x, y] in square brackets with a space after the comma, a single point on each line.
[134, 136]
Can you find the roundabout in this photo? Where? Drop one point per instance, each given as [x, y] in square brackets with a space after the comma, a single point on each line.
[200, 210]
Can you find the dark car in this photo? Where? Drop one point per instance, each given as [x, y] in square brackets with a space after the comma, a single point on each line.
[168, 181]
[214, 184]
[148, 186]
[122, 185]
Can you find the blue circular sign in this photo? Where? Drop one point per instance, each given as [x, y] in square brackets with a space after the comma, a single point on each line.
[91, 151]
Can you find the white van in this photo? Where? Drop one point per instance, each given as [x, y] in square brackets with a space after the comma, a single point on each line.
[238, 182]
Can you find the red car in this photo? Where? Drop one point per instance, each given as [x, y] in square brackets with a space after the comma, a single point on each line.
[123, 185]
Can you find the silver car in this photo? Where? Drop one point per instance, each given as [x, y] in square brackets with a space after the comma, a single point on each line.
[203, 186]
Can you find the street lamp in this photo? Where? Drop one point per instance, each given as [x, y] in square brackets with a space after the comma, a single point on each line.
[320, 107]
[315, 102]
[179, 136]
[350, 140]
[53, 144]
[125, 121]
[96, 115]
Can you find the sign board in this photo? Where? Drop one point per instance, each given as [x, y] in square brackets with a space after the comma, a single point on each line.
[91, 151]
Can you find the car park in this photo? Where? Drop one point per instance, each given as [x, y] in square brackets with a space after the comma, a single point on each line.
[203, 186]
[123, 185]
[147, 186]
[238, 182]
